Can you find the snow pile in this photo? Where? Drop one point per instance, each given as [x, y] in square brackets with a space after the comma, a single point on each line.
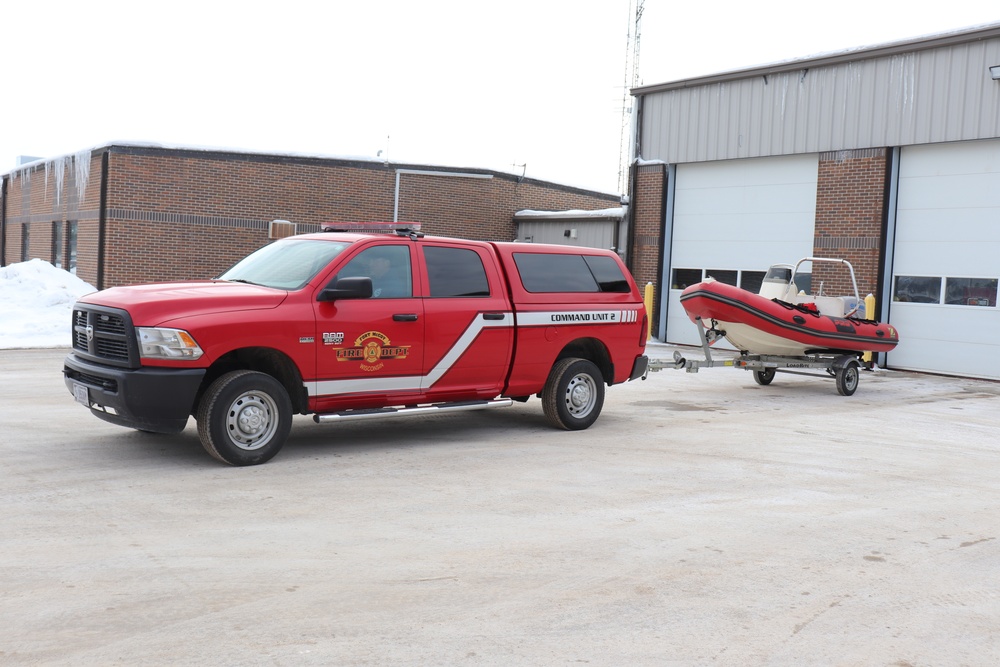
[36, 304]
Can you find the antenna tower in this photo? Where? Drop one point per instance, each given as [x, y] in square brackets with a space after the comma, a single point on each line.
[631, 81]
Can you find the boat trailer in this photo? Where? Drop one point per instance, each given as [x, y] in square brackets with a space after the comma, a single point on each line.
[844, 367]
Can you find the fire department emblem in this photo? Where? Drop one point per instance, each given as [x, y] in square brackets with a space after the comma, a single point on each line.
[371, 349]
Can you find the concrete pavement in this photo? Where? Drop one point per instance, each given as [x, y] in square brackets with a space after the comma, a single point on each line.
[703, 520]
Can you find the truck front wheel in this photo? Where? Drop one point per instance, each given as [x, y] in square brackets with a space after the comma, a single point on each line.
[573, 394]
[244, 418]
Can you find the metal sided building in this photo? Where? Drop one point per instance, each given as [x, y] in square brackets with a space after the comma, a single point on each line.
[887, 156]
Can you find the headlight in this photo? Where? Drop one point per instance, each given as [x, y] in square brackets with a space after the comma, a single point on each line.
[159, 343]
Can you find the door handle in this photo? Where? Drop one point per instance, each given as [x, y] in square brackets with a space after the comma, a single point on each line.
[493, 316]
[404, 317]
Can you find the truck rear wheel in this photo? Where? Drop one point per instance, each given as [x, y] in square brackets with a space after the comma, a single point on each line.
[574, 394]
[244, 418]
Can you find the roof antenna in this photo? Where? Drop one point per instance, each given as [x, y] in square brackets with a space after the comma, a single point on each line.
[524, 170]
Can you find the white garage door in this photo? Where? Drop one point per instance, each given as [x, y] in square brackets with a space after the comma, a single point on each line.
[946, 263]
[732, 220]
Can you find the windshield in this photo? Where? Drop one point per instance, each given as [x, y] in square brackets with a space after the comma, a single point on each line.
[287, 264]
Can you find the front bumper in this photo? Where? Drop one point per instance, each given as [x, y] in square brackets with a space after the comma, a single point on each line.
[148, 399]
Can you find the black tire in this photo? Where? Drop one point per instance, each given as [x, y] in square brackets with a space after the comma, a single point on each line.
[244, 418]
[763, 377]
[847, 378]
[574, 394]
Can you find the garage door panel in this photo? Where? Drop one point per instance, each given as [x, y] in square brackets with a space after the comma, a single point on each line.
[755, 255]
[783, 170]
[967, 157]
[948, 226]
[957, 225]
[739, 215]
[943, 258]
[968, 191]
[732, 227]
[946, 339]
[774, 199]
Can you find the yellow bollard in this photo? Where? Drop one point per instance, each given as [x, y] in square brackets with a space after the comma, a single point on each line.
[648, 300]
[869, 315]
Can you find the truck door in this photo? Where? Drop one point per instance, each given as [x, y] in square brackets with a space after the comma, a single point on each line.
[468, 326]
[370, 351]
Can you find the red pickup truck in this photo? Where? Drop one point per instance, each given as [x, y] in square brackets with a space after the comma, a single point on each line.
[347, 325]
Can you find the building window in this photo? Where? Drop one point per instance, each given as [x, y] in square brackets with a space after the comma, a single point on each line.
[917, 289]
[752, 280]
[25, 242]
[57, 245]
[970, 291]
[72, 247]
[724, 276]
[685, 277]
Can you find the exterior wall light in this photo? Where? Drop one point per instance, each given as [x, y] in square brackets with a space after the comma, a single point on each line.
[995, 72]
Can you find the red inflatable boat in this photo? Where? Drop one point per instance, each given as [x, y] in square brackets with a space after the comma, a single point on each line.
[794, 325]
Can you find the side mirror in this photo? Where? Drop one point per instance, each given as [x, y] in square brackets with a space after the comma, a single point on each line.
[347, 288]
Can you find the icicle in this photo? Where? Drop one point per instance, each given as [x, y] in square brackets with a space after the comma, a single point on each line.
[81, 164]
[48, 168]
[59, 164]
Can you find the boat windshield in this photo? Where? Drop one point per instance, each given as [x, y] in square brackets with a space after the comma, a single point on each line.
[779, 273]
[287, 264]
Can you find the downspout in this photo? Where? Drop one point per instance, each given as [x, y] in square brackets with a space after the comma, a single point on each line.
[3, 221]
[629, 256]
[102, 221]
[635, 151]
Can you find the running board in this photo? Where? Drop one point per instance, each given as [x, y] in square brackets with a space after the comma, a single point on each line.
[435, 408]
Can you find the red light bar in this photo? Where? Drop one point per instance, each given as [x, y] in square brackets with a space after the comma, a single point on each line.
[371, 227]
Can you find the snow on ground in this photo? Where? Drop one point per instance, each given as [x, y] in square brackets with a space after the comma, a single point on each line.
[36, 304]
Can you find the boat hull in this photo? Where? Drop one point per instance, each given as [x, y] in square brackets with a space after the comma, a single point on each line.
[758, 325]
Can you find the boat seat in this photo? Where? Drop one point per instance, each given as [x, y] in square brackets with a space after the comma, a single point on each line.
[834, 306]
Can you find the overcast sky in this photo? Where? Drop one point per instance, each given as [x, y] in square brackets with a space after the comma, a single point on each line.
[441, 82]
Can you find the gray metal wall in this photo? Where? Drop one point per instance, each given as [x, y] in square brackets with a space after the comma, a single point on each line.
[918, 92]
[585, 233]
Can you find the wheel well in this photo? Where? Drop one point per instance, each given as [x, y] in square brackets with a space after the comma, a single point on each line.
[264, 360]
[594, 351]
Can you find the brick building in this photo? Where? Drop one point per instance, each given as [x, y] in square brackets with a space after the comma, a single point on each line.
[887, 156]
[125, 213]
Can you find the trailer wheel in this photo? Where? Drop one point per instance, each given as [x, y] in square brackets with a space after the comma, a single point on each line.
[763, 377]
[574, 394]
[244, 418]
[847, 378]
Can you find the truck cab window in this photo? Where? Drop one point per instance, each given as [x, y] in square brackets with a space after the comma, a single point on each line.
[455, 272]
[389, 268]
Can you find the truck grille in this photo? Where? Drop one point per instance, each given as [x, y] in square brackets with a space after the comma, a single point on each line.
[104, 335]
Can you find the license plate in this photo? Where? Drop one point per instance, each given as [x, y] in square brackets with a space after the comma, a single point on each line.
[81, 394]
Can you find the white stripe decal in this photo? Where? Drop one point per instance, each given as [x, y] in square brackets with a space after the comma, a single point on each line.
[412, 382]
[571, 317]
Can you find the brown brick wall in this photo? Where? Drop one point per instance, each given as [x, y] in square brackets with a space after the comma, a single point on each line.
[850, 204]
[648, 197]
[40, 196]
[177, 214]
